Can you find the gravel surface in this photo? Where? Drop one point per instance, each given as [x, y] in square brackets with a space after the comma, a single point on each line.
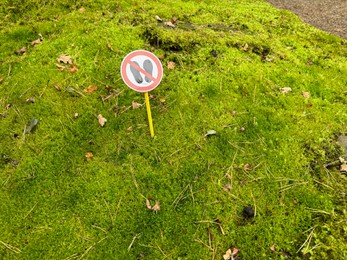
[328, 15]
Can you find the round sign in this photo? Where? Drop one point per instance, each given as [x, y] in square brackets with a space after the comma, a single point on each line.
[141, 71]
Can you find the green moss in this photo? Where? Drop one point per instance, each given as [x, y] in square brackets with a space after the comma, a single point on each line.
[229, 56]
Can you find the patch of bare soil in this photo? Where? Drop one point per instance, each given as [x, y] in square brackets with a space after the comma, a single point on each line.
[328, 15]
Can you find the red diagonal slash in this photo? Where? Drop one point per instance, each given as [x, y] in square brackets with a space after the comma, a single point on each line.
[142, 71]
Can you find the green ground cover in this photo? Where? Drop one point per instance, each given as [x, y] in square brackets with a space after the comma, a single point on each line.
[234, 64]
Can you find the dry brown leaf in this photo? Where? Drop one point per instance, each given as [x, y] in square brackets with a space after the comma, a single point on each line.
[174, 20]
[235, 251]
[343, 168]
[73, 70]
[266, 58]
[162, 100]
[8, 106]
[306, 94]
[66, 59]
[170, 24]
[102, 120]
[60, 67]
[89, 156]
[148, 204]
[135, 105]
[170, 65]
[273, 249]
[21, 51]
[227, 187]
[245, 47]
[76, 115]
[36, 42]
[130, 129]
[285, 90]
[82, 10]
[158, 18]
[247, 166]
[90, 89]
[227, 255]
[156, 207]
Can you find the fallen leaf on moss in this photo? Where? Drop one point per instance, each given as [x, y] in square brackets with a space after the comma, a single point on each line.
[76, 115]
[170, 65]
[227, 255]
[170, 24]
[102, 120]
[211, 132]
[36, 42]
[158, 18]
[174, 20]
[306, 94]
[148, 204]
[21, 51]
[74, 69]
[162, 100]
[90, 89]
[135, 105]
[231, 253]
[156, 207]
[273, 249]
[343, 168]
[89, 156]
[285, 90]
[82, 10]
[266, 58]
[66, 59]
[227, 187]
[60, 67]
[247, 166]
[245, 47]
[8, 106]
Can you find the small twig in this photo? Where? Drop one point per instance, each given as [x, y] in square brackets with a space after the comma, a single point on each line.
[179, 197]
[103, 230]
[91, 247]
[30, 211]
[12, 248]
[132, 242]
[209, 248]
[307, 241]
[109, 211]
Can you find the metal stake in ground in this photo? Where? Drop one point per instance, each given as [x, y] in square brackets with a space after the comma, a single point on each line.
[142, 71]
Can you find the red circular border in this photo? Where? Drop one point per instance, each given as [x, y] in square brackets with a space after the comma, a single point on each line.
[127, 81]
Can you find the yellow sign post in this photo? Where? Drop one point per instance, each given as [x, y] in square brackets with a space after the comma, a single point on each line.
[150, 121]
[142, 71]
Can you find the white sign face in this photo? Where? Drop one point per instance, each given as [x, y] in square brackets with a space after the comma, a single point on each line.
[141, 71]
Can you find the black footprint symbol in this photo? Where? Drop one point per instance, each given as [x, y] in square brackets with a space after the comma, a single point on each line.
[136, 73]
[148, 67]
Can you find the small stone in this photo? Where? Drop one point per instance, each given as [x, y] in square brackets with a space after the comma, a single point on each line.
[248, 212]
